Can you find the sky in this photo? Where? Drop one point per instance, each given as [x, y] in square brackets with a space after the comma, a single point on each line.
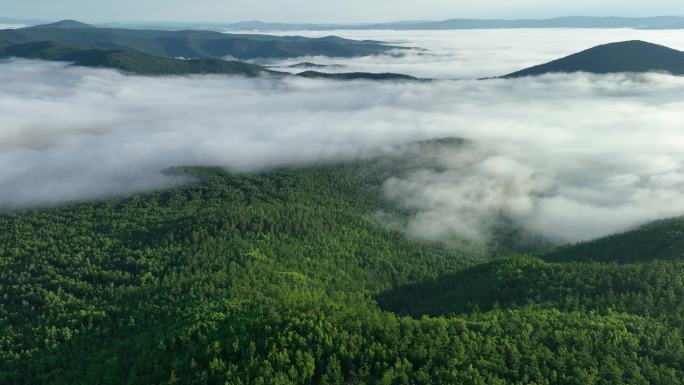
[326, 11]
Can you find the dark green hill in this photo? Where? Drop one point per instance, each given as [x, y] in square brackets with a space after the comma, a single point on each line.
[628, 56]
[271, 279]
[357, 76]
[189, 44]
[142, 64]
[134, 62]
[313, 65]
[131, 61]
[64, 24]
[652, 289]
[662, 240]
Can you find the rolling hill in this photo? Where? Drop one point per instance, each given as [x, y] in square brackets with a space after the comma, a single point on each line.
[450, 24]
[627, 56]
[656, 22]
[131, 61]
[284, 277]
[150, 52]
[662, 240]
[63, 24]
[357, 76]
[636, 271]
[189, 44]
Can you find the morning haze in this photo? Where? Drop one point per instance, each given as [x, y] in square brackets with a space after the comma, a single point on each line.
[325, 11]
[189, 197]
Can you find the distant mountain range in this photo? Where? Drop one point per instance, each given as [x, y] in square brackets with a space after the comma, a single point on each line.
[560, 22]
[189, 44]
[152, 52]
[131, 61]
[357, 76]
[143, 64]
[657, 22]
[64, 24]
[628, 56]
[679, 25]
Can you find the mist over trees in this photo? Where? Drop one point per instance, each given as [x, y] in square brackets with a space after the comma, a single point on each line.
[325, 229]
[282, 278]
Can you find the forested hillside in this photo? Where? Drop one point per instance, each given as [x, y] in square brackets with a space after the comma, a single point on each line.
[189, 44]
[285, 277]
[662, 239]
[131, 61]
[627, 56]
[357, 76]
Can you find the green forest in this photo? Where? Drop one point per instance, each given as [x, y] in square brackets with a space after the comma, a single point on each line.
[159, 52]
[287, 277]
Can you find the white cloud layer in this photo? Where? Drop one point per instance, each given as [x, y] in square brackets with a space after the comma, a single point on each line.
[472, 54]
[570, 157]
[11, 26]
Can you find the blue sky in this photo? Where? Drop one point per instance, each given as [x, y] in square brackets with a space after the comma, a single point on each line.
[326, 10]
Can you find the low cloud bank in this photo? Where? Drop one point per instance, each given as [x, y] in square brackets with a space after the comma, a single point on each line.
[11, 26]
[473, 54]
[570, 157]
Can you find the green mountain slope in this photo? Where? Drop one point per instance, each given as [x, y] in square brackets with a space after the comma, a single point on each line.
[639, 271]
[356, 76]
[649, 289]
[131, 61]
[284, 277]
[190, 44]
[64, 24]
[628, 56]
[662, 240]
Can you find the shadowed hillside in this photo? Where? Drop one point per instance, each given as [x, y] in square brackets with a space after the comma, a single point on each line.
[64, 24]
[271, 279]
[131, 61]
[640, 271]
[648, 289]
[357, 76]
[628, 56]
[189, 44]
[662, 239]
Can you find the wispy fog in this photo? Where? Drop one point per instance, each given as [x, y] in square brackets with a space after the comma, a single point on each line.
[11, 26]
[570, 157]
[472, 54]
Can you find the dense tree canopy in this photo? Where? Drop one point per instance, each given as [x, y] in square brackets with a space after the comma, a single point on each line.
[285, 277]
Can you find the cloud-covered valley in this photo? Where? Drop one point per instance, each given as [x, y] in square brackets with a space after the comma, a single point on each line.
[569, 157]
[473, 54]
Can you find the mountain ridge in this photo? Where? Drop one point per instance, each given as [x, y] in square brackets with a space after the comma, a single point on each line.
[453, 23]
[627, 56]
[191, 43]
[133, 62]
[63, 24]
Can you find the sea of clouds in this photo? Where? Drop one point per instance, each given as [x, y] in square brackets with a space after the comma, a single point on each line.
[569, 157]
[471, 54]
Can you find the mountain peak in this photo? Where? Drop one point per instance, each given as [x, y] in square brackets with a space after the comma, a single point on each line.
[64, 24]
[625, 56]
